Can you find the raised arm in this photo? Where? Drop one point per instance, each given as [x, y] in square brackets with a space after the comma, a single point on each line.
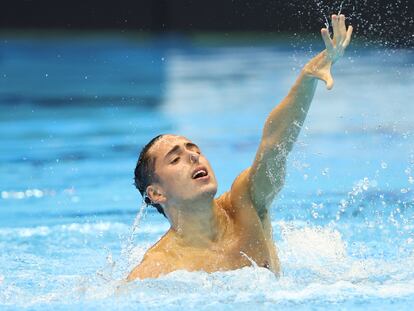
[265, 178]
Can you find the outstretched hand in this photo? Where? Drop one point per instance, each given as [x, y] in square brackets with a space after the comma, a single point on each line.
[341, 37]
[320, 66]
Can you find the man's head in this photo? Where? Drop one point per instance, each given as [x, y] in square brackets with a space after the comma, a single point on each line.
[172, 171]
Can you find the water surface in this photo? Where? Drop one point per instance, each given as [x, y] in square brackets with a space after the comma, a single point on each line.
[76, 111]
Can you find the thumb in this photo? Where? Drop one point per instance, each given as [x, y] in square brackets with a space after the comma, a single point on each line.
[327, 76]
[329, 81]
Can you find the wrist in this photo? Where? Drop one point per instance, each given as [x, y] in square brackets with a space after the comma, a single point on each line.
[307, 74]
[317, 65]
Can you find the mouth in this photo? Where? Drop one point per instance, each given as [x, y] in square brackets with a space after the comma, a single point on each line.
[200, 173]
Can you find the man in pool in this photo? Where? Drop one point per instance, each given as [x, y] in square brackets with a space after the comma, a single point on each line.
[233, 230]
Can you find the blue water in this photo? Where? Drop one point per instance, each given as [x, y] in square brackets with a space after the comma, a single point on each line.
[75, 112]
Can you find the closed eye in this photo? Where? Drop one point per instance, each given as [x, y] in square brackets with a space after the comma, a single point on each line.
[175, 160]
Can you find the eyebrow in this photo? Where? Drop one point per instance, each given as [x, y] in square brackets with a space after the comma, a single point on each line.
[191, 145]
[177, 148]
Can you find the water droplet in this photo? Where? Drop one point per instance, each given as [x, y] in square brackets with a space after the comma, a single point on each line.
[365, 184]
[384, 165]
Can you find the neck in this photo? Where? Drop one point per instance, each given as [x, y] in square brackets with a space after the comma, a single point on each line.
[195, 224]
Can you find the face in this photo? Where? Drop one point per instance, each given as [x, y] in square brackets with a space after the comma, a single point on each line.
[184, 174]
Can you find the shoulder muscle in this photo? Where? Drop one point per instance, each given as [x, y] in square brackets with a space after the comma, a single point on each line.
[152, 266]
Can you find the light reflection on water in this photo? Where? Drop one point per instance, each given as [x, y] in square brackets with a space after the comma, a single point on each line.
[343, 223]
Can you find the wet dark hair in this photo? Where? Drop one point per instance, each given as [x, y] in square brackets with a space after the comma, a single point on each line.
[144, 173]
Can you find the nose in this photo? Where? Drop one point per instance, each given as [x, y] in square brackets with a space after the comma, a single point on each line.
[194, 157]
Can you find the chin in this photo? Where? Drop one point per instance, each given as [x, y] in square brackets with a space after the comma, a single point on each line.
[209, 191]
[206, 192]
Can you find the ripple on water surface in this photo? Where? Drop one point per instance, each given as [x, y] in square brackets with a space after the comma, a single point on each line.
[343, 224]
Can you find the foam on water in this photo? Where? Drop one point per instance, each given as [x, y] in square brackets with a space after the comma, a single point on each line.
[318, 262]
[343, 224]
[316, 266]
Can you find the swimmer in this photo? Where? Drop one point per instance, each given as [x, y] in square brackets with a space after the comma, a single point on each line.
[234, 230]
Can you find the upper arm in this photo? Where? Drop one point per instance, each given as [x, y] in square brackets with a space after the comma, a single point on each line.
[242, 196]
[258, 185]
[267, 174]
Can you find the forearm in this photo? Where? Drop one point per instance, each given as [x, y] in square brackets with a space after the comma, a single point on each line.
[285, 121]
[281, 129]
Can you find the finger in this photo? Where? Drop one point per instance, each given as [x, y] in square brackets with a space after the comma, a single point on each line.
[342, 27]
[335, 27]
[348, 37]
[327, 39]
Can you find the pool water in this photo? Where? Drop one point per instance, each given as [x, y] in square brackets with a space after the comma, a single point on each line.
[77, 110]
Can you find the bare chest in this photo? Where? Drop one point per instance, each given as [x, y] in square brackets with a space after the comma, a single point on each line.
[238, 249]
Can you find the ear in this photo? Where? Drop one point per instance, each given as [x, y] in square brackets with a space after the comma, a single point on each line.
[156, 194]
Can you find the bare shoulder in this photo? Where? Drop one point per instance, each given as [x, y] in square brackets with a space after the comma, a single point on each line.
[152, 266]
[157, 261]
[239, 204]
[238, 199]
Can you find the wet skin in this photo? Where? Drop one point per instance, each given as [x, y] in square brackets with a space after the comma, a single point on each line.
[206, 233]
[233, 230]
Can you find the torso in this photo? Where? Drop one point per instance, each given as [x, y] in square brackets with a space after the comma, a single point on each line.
[245, 241]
